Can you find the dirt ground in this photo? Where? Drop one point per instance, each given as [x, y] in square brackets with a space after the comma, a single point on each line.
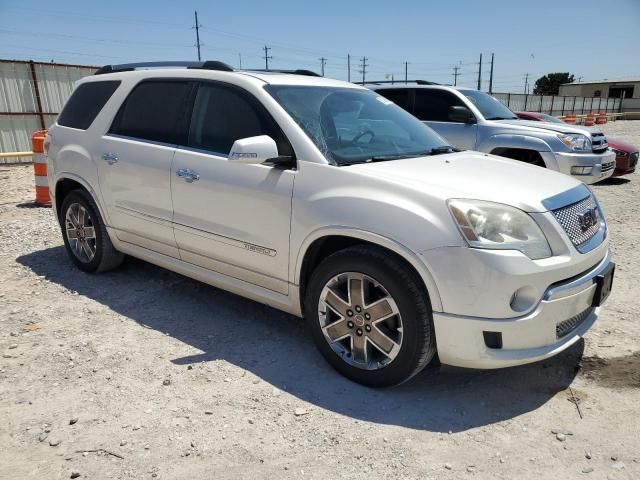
[142, 373]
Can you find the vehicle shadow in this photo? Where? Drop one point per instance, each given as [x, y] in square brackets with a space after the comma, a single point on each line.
[614, 181]
[275, 347]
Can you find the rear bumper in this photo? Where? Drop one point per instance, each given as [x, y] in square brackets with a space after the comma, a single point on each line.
[602, 165]
[564, 314]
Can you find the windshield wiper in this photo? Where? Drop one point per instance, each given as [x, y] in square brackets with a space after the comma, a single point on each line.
[442, 149]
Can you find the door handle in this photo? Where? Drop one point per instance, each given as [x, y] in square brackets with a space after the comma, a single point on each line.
[110, 158]
[188, 175]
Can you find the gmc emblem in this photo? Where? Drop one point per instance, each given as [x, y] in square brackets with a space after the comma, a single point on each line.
[588, 218]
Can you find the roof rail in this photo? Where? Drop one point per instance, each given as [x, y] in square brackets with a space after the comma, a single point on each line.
[397, 82]
[127, 67]
[298, 71]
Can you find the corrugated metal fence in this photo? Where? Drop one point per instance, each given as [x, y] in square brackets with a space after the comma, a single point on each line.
[555, 105]
[31, 96]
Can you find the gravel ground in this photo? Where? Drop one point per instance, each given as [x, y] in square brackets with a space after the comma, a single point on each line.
[142, 373]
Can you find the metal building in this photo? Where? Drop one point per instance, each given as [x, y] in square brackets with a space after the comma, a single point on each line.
[31, 96]
[628, 91]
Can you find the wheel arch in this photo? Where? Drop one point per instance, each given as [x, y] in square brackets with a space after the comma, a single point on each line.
[324, 242]
[68, 182]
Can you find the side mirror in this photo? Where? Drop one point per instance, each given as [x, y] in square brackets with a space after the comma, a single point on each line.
[461, 114]
[253, 150]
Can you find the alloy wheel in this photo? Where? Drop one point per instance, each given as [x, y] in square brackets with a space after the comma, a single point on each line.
[80, 231]
[360, 320]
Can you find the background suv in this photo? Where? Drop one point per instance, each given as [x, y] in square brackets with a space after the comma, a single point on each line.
[325, 199]
[472, 120]
[626, 154]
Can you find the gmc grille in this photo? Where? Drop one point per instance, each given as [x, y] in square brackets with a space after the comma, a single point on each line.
[569, 219]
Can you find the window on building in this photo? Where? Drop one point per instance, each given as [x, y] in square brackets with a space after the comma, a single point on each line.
[619, 92]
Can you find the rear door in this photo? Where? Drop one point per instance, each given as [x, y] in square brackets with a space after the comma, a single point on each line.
[229, 217]
[432, 107]
[134, 162]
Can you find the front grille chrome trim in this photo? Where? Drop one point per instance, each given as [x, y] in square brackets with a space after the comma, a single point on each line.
[569, 219]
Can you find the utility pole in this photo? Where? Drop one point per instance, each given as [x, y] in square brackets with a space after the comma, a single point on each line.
[348, 67]
[363, 66]
[266, 57]
[406, 72]
[323, 62]
[240, 58]
[526, 83]
[480, 73]
[491, 76]
[198, 44]
[455, 75]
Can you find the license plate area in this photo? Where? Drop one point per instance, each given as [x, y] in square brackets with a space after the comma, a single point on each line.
[604, 283]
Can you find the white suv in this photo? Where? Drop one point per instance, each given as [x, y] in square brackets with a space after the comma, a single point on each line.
[322, 198]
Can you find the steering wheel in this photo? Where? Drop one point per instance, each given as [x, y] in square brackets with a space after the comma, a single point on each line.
[362, 134]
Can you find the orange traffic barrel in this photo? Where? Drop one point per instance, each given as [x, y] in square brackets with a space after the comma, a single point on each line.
[40, 168]
[589, 120]
[602, 118]
[570, 118]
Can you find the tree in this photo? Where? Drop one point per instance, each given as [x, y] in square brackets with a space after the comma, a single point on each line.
[550, 83]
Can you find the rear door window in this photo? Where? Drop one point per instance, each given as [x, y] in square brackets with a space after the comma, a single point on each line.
[400, 96]
[223, 114]
[433, 105]
[155, 110]
[85, 103]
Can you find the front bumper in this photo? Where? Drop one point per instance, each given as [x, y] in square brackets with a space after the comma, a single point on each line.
[563, 315]
[602, 165]
[626, 164]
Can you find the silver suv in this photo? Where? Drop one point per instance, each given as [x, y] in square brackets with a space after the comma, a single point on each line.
[473, 120]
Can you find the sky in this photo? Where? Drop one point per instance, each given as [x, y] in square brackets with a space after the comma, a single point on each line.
[590, 38]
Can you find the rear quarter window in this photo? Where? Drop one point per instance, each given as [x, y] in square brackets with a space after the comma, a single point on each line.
[85, 103]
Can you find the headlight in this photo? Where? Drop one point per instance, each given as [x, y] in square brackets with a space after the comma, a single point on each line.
[576, 142]
[499, 227]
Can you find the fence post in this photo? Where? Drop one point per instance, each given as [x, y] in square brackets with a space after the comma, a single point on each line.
[36, 90]
[552, 99]
[540, 107]
[509, 100]
[599, 104]
[583, 100]
[526, 97]
[564, 99]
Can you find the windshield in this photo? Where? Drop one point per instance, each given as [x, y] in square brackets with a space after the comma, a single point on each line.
[354, 126]
[490, 107]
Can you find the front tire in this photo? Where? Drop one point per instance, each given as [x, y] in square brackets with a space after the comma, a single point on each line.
[370, 316]
[85, 235]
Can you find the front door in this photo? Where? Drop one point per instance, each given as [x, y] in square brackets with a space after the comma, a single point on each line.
[228, 217]
[432, 107]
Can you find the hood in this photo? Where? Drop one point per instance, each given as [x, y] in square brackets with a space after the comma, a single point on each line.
[474, 175]
[620, 145]
[554, 127]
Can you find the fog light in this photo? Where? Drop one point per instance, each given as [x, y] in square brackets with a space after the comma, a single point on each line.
[581, 170]
[523, 299]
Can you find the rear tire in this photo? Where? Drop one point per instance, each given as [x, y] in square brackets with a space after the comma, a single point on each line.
[85, 235]
[370, 316]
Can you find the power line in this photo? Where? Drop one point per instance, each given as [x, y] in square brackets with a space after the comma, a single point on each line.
[267, 57]
[197, 27]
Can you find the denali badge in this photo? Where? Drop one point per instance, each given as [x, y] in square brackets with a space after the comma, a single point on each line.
[588, 218]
